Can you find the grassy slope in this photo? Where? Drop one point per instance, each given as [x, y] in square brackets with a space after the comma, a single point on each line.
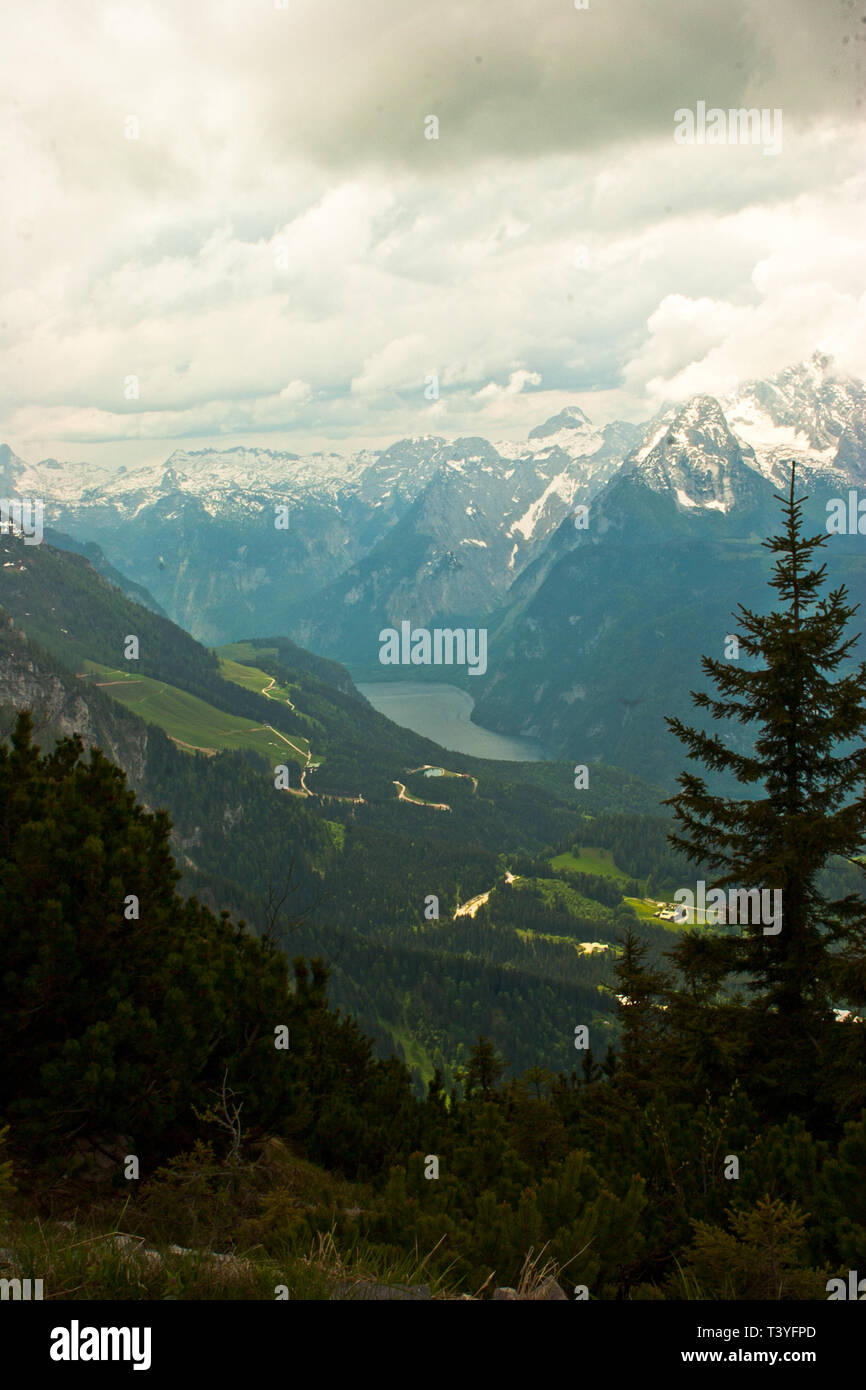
[294, 1230]
[191, 722]
[644, 910]
[590, 860]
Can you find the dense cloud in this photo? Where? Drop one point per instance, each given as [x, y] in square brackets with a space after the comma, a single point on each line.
[281, 251]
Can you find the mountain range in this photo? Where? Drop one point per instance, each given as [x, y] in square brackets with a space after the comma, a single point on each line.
[587, 623]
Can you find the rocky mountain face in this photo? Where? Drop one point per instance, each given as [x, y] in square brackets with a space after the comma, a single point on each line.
[57, 614]
[602, 636]
[30, 680]
[810, 413]
[479, 520]
[690, 466]
[231, 541]
[202, 536]
[329, 549]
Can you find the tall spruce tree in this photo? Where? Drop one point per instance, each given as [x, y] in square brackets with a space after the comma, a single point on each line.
[807, 720]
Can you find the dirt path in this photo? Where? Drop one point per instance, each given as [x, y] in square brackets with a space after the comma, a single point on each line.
[211, 752]
[403, 795]
[291, 745]
[469, 909]
[266, 689]
[306, 754]
[429, 767]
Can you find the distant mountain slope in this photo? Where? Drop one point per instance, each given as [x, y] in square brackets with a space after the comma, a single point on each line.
[603, 635]
[473, 527]
[359, 871]
[92, 552]
[471, 534]
[289, 654]
[64, 606]
[328, 548]
[809, 412]
[424, 521]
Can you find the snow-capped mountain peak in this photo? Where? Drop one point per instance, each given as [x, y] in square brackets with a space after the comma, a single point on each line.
[692, 455]
[569, 418]
[806, 412]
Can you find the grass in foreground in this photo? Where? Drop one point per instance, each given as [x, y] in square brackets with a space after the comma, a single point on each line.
[274, 1227]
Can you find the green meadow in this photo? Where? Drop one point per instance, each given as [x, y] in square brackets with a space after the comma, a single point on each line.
[192, 723]
[589, 860]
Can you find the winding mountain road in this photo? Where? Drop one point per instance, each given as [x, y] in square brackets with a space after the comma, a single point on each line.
[403, 795]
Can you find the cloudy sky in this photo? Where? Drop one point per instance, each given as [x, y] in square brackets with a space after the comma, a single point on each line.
[233, 208]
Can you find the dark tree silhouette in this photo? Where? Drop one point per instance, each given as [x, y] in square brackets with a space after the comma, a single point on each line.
[808, 760]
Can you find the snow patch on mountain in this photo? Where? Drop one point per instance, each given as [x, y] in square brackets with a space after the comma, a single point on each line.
[562, 486]
[692, 455]
[571, 418]
[803, 413]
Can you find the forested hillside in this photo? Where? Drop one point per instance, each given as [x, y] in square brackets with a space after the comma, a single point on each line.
[343, 863]
[237, 1118]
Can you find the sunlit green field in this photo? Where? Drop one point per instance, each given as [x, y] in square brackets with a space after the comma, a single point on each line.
[589, 860]
[251, 678]
[192, 723]
[646, 912]
[643, 910]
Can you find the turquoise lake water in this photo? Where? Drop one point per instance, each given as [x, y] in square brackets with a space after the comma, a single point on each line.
[442, 712]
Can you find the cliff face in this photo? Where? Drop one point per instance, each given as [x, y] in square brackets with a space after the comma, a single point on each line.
[30, 680]
[211, 801]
